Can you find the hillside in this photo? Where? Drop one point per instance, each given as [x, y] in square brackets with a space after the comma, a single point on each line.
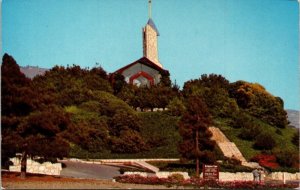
[90, 114]
[294, 118]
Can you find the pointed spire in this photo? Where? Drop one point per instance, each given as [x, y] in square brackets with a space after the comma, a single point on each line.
[149, 9]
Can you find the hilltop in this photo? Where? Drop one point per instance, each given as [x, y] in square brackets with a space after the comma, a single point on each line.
[88, 114]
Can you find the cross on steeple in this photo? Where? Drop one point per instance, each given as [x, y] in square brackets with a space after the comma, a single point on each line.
[149, 8]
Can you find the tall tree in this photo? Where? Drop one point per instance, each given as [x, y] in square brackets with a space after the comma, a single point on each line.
[29, 125]
[193, 127]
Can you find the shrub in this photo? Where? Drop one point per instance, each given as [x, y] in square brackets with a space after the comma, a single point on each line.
[232, 161]
[207, 157]
[295, 139]
[249, 132]
[176, 107]
[176, 177]
[287, 158]
[264, 141]
[240, 119]
[265, 160]
[278, 132]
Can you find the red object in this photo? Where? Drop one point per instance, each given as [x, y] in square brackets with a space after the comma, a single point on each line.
[266, 160]
[144, 74]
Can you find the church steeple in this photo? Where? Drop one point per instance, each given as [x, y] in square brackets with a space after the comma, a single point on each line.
[150, 34]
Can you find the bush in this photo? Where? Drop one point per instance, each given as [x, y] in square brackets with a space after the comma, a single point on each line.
[240, 119]
[264, 141]
[176, 177]
[176, 107]
[295, 139]
[207, 157]
[287, 158]
[249, 132]
[265, 160]
[278, 132]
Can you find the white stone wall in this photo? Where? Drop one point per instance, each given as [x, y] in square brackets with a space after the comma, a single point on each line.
[158, 174]
[239, 176]
[284, 176]
[150, 44]
[35, 167]
[224, 176]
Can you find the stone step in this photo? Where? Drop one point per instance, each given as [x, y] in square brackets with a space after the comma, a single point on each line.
[147, 166]
[228, 148]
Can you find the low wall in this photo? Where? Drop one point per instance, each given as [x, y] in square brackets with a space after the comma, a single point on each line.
[225, 176]
[284, 176]
[100, 161]
[239, 176]
[35, 167]
[158, 174]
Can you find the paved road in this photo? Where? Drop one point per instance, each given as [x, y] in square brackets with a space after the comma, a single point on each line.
[89, 171]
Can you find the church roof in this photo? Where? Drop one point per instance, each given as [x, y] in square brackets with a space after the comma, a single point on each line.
[144, 61]
[151, 23]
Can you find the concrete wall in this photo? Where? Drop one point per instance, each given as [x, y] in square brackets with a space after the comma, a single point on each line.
[284, 176]
[158, 174]
[35, 167]
[225, 176]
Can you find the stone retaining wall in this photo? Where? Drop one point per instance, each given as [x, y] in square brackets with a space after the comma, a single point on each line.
[35, 167]
[225, 176]
[284, 176]
[99, 161]
[158, 174]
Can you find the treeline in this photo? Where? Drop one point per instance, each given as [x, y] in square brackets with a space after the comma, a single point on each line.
[72, 108]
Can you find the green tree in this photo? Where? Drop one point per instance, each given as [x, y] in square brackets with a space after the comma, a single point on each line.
[193, 127]
[176, 107]
[28, 124]
[255, 100]
[124, 130]
[214, 91]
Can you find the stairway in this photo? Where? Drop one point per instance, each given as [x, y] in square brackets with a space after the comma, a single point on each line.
[228, 148]
[147, 166]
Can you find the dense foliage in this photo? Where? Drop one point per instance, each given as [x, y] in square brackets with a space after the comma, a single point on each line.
[193, 128]
[89, 113]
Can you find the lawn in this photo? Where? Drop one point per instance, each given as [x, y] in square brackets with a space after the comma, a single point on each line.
[282, 137]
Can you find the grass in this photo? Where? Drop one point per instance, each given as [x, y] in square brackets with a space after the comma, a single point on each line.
[158, 129]
[283, 140]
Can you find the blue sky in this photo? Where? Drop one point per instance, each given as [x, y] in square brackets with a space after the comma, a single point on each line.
[251, 40]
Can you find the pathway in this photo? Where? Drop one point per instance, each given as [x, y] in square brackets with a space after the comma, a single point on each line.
[228, 148]
[88, 171]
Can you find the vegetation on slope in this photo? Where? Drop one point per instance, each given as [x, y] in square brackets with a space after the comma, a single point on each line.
[90, 114]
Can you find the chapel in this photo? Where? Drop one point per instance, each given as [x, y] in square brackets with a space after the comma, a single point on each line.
[147, 70]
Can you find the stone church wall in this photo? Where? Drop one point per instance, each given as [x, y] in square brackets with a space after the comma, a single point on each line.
[35, 167]
[150, 44]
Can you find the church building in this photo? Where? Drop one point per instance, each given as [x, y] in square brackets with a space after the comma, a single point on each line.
[147, 70]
